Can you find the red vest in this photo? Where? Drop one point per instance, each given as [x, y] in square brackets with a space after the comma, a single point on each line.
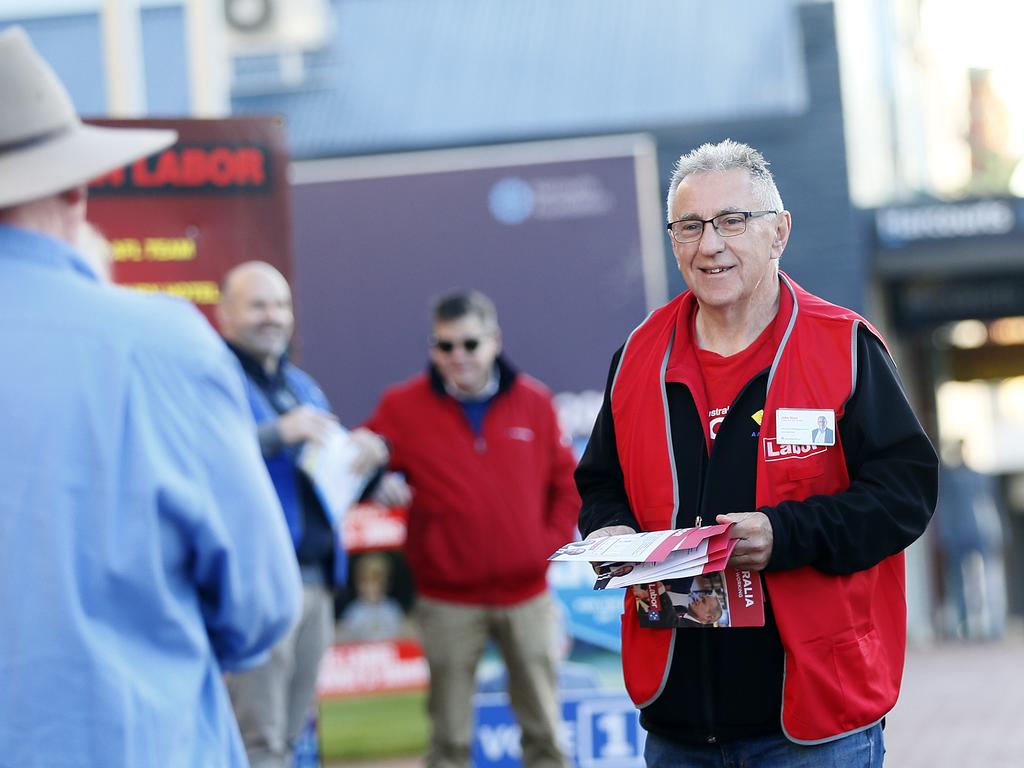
[844, 636]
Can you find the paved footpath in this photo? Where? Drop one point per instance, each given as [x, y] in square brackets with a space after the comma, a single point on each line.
[962, 706]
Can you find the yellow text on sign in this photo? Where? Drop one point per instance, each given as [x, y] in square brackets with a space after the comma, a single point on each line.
[154, 249]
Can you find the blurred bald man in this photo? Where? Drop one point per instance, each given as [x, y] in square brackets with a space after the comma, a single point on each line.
[256, 319]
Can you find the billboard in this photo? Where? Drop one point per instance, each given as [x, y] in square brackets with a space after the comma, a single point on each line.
[181, 218]
[565, 236]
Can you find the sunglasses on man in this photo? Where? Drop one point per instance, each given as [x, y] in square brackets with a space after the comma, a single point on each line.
[447, 346]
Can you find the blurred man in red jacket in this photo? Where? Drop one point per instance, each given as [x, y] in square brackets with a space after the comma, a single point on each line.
[493, 496]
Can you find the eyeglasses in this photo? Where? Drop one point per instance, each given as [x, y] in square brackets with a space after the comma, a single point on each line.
[726, 224]
[447, 346]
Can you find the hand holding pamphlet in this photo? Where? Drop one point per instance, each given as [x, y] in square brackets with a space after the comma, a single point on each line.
[678, 577]
[329, 467]
[638, 558]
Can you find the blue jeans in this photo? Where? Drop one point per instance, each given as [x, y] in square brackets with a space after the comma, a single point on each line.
[858, 750]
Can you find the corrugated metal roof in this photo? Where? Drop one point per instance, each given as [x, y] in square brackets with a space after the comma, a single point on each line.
[411, 73]
[403, 74]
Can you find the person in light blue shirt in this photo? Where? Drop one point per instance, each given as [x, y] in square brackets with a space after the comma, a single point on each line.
[143, 551]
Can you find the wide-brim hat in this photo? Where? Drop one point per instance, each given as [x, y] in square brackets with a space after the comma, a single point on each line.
[44, 147]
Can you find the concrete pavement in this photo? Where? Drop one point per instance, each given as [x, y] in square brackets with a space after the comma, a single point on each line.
[961, 706]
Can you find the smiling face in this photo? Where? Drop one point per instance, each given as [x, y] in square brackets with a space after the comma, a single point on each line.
[736, 272]
[464, 368]
[706, 609]
[255, 312]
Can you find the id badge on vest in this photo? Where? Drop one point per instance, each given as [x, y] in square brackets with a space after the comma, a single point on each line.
[805, 426]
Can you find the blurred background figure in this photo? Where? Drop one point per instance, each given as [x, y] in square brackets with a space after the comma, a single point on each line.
[492, 676]
[492, 497]
[142, 550]
[970, 530]
[256, 319]
[372, 615]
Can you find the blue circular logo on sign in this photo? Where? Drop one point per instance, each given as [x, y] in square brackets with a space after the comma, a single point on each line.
[511, 200]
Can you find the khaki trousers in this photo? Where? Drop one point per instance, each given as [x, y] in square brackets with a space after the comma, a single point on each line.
[272, 701]
[454, 637]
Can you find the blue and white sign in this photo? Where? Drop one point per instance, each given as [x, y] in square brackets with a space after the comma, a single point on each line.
[594, 616]
[511, 200]
[599, 730]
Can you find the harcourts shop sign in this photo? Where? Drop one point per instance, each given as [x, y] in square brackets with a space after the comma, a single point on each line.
[900, 226]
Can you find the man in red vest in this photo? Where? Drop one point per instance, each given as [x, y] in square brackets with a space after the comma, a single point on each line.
[825, 524]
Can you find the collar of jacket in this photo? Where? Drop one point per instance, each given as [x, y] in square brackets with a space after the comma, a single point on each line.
[506, 376]
[254, 368]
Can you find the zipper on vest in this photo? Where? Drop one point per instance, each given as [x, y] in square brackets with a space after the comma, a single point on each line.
[707, 692]
[706, 687]
[706, 469]
[698, 519]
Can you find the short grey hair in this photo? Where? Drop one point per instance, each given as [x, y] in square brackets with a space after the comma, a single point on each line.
[725, 156]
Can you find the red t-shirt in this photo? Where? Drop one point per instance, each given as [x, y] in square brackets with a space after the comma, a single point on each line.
[724, 377]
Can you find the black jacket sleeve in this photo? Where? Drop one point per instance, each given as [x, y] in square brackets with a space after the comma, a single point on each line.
[599, 474]
[893, 480]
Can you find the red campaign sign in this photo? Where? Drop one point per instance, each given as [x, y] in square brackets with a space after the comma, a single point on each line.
[386, 666]
[369, 527]
[180, 219]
